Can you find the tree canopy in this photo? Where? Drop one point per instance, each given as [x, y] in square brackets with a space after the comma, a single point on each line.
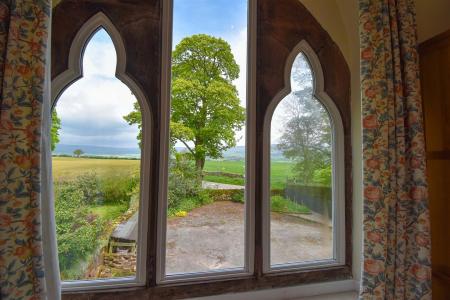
[306, 132]
[205, 107]
[306, 138]
[78, 152]
[54, 131]
[135, 117]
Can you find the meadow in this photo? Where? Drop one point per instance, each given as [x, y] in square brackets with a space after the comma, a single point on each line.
[66, 168]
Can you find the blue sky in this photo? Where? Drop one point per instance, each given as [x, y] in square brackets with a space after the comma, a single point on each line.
[92, 109]
[221, 18]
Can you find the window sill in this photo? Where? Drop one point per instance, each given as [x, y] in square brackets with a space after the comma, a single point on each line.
[334, 290]
[303, 283]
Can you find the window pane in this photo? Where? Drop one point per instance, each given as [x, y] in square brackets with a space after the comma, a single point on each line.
[301, 174]
[96, 170]
[206, 187]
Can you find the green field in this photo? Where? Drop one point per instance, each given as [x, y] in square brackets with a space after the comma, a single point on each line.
[66, 168]
[280, 171]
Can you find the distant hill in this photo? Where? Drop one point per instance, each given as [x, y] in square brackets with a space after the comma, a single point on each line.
[235, 153]
[62, 149]
[238, 153]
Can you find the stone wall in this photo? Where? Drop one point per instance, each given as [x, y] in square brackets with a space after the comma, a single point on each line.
[117, 265]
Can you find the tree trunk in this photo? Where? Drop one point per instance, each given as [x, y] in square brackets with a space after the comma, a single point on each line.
[200, 164]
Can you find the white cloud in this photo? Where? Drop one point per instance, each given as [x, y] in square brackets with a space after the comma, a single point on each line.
[92, 109]
[239, 47]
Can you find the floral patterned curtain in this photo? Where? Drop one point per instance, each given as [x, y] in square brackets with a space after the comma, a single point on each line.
[24, 28]
[397, 263]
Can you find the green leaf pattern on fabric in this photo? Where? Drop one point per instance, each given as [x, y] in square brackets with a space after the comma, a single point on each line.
[397, 263]
[24, 28]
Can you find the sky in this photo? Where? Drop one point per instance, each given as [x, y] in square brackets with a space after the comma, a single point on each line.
[92, 109]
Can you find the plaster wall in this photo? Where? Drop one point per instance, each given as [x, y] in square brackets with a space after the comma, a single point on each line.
[340, 20]
[433, 17]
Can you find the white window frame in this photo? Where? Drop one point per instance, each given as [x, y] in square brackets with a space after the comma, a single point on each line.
[161, 277]
[62, 82]
[338, 161]
[74, 72]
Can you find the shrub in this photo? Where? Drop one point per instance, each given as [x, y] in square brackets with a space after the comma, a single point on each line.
[184, 186]
[323, 176]
[89, 185]
[283, 205]
[119, 189]
[238, 196]
[77, 230]
[227, 195]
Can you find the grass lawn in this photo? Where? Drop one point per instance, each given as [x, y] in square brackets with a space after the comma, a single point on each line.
[109, 211]
[283, 205]
[227, 166]
[69, 167]
[279, 170]
[224, 179]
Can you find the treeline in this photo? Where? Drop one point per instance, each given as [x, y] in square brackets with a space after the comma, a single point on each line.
[98, 157]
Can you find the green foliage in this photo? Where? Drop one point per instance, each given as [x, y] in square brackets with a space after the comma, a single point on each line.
[106, 189]
[282, 205]
[306, 129]
[83, 207]
[76, 228]
[306, 137]
[323, 176]
[54, 130]
[118, 189]
[89, 185]
[205, 110]
[135, 117]
[109, 211]
[224, 179]
[280, 171]
[237, 196]
[184, 190]
[78, 152]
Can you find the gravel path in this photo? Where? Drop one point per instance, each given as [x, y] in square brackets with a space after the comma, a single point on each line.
[212, 237]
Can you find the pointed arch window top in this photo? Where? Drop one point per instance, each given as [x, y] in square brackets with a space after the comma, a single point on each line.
[99, 23]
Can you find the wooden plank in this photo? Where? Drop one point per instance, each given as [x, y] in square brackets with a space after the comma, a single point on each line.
[438, 155]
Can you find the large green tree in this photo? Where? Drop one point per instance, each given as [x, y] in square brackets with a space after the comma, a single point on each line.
[306, 138]
[54, 131]
[306, 130]
[205, 108]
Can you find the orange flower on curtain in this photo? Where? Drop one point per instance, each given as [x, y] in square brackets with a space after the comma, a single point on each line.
[23, 35]
[397, 263]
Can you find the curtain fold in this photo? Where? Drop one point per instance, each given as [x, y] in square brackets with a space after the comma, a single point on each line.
[24, 28]
[397, 262]
[51, 263]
